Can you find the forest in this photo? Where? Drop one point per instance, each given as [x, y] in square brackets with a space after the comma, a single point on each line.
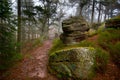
[59, 39]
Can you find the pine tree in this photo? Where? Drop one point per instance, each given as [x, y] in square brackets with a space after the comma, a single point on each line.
[7, 43]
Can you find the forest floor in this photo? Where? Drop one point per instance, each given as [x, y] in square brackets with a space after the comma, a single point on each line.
[34, 66]
[112, 71]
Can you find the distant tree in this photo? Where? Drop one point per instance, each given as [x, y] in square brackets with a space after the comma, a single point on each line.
[28, 20]
[81, 4]
[110, 6]
[45, 13]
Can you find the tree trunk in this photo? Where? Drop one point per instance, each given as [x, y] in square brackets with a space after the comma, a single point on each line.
[93, 9]
[99, 13]
[19, 25]
[105, 15]
[80, 13]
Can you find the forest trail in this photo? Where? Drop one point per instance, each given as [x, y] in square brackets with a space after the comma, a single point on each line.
[33, 67]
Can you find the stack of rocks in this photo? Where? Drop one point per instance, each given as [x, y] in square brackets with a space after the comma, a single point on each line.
[74, 30]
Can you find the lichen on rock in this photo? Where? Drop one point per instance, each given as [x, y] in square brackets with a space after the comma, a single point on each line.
[74, 63]
[74, 30]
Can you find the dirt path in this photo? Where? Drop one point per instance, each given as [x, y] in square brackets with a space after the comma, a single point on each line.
[34, 67]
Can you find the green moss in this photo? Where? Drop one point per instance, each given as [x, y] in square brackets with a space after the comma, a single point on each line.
[108, 36]
[70, 63]
[57, 45]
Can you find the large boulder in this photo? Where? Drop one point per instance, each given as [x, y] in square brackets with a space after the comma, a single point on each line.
[75, 63]
[74, 30]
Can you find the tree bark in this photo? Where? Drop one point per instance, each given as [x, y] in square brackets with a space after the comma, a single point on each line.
[93, 9]
[19, 26]
[99, 12]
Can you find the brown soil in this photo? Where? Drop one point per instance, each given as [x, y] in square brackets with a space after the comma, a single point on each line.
[33, 66]
[93, 38]
[112, 73]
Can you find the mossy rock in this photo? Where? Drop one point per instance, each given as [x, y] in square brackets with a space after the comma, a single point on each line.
[113, 23]
[78, 63]
[75, 24]
[75, 63]
[74, 30]
[75, 19]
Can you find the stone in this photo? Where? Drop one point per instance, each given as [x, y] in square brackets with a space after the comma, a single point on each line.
[74, 30]
[113, 23]
[75, 63]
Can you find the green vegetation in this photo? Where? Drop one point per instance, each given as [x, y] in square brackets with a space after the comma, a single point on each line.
[8, 55]
[37, 42]
[117, 18]
[95, 25]
[115, 53]
[59, 45]
[96, 30]
[107, 47]
[113, 23]
[91, 32]
[101, 60]
[110, 41]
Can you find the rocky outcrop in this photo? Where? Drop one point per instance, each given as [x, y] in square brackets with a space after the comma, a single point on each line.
[74, 63]
[74, 30]
[113, 23]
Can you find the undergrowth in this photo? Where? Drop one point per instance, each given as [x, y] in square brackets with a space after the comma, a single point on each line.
[7, 62]
[101, 60]
[109, 40]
